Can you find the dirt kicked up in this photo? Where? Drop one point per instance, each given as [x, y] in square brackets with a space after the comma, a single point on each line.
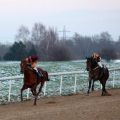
[75, 107]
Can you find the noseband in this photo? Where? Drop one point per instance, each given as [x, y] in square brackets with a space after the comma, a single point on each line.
[90, 66]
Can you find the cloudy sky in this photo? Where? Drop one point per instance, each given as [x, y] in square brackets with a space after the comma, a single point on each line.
[87, 17]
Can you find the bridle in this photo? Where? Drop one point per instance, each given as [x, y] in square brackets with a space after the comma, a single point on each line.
[90, 69]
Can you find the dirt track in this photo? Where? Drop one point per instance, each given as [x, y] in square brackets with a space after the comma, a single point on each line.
[75, 107]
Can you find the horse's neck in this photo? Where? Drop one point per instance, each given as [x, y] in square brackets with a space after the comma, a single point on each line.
[29, 74]
[94, 64]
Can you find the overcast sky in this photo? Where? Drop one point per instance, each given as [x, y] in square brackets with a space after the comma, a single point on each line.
[87, 17]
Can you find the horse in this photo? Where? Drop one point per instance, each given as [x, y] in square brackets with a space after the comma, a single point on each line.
[31, 80]
[97, 73]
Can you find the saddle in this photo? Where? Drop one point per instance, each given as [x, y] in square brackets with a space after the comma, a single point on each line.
[98, 73]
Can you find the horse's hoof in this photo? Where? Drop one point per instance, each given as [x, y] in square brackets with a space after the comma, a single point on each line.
[87, 94]
[103, 93]
[106, 94]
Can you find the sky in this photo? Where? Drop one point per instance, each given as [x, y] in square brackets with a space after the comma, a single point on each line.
[86, 17]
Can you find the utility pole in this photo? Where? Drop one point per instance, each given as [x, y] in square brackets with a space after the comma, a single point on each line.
[64, 31]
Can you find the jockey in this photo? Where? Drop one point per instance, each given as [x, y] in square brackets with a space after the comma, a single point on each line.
[32, 62]
[97, 57]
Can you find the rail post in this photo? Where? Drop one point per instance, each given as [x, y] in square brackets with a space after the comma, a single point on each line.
[45, 88]
[75, 84]
[114, 79]
[61, 80]
[9, 93]
[28, 91]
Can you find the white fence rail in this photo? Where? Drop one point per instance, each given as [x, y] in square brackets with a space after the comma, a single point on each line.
[59, 74]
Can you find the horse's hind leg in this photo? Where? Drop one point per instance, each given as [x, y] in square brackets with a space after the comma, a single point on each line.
[104, 91]
[103, 87]
[33, 90]
[40, 89]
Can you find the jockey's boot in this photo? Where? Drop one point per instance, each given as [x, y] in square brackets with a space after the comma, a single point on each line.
[38, 74]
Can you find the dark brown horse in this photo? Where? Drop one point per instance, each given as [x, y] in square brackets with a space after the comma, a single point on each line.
[31, 80]
[97, 73]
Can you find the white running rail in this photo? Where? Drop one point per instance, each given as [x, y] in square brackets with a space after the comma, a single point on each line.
[61, 74]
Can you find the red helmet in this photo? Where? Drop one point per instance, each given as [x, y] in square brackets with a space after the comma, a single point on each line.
[33, 58]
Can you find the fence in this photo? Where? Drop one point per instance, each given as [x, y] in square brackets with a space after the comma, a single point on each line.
[82, 74]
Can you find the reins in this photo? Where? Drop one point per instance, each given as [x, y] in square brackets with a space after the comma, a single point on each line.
[95, 68]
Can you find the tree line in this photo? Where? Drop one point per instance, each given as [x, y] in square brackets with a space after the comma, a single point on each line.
[48, 46]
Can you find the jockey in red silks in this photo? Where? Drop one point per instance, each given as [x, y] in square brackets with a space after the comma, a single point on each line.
[32, 63]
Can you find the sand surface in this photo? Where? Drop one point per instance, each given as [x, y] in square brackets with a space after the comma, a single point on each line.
[75, 107]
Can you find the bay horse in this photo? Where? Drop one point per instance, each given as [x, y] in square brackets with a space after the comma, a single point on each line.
[31, 80]
[97, 73]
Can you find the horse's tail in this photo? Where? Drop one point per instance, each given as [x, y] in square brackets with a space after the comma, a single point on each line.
[106, 73]
[45, 74]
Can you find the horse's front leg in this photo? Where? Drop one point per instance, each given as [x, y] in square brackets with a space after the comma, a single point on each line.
[89, 87]
[93, 85]
[21, 95]
[36, 96]
[33, 91]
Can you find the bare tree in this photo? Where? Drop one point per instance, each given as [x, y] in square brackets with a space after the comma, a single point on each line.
[38, 33]
[23, 34]
[47, 45]
[4, 49]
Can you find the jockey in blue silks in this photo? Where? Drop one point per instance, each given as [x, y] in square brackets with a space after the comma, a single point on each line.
[97, 57]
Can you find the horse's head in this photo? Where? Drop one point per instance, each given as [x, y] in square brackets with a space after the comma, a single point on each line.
[91, 64]
[24, 63]
[88, 64]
